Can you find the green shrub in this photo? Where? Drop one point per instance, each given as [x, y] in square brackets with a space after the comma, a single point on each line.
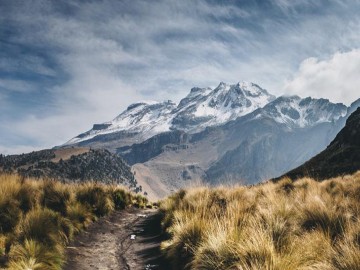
[55, 196]
[140, 201]
[44, 226]
[121, 199]
[9, 214]
[97, 198]
[80, 215]
[27, 196]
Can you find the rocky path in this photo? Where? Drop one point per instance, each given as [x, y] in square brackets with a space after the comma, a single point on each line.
[127, 240]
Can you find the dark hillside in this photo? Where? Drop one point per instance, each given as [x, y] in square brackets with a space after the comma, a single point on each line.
[341, 157]
[96, 165]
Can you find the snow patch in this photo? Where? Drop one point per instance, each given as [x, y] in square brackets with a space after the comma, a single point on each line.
[205, 107]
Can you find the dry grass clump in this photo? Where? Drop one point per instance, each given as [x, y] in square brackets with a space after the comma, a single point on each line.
[96, 198]
[38, 218]
[36, 256]
[274, 226]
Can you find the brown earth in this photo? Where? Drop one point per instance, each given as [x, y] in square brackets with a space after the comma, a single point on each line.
[108, 244]
[67, 153]
[150, 182]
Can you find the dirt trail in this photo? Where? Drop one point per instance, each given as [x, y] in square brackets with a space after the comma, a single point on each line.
[108, 244]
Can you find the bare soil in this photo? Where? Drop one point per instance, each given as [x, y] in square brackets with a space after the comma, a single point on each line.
[67, 153]
[126, 240]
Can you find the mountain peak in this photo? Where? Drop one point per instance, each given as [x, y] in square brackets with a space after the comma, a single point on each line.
[141, 103]
[205, 107]
[295, 111]
[201, 108]
[353, 107]
[245, 84]
[209, 107]
[195, 94]
[221, 85]
[198, 90]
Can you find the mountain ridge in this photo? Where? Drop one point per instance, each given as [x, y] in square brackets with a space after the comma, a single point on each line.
[262, 140]
[201, 108]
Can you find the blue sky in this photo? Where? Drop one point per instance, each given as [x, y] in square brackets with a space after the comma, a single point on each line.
[65, 65]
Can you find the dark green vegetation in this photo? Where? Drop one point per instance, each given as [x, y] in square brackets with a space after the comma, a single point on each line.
[65, 165]
[341, 157]
[38, 218]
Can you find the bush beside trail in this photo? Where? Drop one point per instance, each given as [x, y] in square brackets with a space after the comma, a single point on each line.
[38, 218]
[274, 226]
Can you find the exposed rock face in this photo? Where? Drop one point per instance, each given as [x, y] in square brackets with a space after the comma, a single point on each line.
[96, 165]
[140, 153]
[101, 126]
[341, 157]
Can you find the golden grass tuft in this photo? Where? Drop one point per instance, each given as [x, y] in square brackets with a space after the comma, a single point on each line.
[45, 226]
[36, 256]
[38, 218]
[274, 226]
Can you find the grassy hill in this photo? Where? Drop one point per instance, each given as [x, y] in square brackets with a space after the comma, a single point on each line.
[274, 226]
[38, 218]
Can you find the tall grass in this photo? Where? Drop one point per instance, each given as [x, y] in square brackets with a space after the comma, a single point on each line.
[274, 226]
[38, 218]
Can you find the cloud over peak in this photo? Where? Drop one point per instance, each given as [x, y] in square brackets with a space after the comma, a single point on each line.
[336, 77]
[67, 64]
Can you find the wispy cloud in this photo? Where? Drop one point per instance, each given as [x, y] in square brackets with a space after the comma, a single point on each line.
[16, 85]
[67, 64]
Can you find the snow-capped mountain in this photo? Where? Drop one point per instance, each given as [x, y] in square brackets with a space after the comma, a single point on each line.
[254, 136]
[201, 108]
[147, 117]
[294, 111]
[204, 107]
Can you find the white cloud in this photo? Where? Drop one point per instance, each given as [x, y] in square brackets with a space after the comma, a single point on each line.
[336, 78]
[81, 102]
[289, 5]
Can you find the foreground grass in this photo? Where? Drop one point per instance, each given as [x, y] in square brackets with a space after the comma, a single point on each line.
[275, 226]
[38, 218]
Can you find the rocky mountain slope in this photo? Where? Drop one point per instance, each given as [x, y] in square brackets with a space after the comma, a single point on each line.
[279, 136]
[341, 157]
[72, 164]
[233, 133]
[201, 108]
